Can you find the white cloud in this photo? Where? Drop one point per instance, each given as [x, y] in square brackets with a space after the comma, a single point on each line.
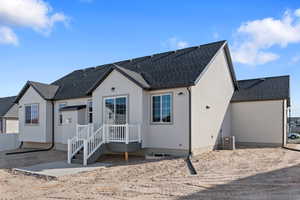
[254, 38]
[175, 43]
[35, 14]
[295, 59]
[297, 12]
[7, 36]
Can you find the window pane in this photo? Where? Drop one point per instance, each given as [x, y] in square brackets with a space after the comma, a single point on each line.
[1, 126]
[90, 118]
[27, 114]
[166, 108]
[60, 118]
[109, 111]
[120, 110]
[34, 114]
[156, 109]
[60, 115]
[90, 106]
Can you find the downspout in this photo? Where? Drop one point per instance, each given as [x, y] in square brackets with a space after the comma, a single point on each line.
[188, 159]
[40, 150]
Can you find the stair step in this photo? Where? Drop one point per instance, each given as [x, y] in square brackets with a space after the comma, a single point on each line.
[77, 161]
[79, 156]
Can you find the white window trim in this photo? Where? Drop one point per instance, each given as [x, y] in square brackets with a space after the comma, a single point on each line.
[88, 111]
[60, 113]
[171, 109]
[38, 114]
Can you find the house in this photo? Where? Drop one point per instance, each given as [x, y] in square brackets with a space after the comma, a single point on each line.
[8, 115]
[173, 103]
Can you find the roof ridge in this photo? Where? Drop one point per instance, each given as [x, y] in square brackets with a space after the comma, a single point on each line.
[151, 55]
[267, 77]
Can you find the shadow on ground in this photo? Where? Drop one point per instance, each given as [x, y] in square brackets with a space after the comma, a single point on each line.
[279, 184]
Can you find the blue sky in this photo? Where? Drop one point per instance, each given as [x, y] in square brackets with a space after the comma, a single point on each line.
[65, 35]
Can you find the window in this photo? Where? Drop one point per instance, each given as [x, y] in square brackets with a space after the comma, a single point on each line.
[115, 110]
[90, 111]
[61, 105]
[1, 126]
[32, 114]
[162, 108]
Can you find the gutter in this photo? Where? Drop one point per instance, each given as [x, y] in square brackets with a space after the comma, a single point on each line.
[40, 150]
[188, 159]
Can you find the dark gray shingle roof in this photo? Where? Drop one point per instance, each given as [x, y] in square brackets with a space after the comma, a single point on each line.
[268, 88]
[180, 68]
[171, 69]
[46, 91]
[5, 104]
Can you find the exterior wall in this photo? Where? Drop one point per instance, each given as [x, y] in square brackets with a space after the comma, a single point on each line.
[124, 87]
[258, 122]
[9, 141]
[226, 125]
[163, 138]
[12, 112]
[154, 136]
[65, 131]
[11, 126]
[39, 132]
[210, 99]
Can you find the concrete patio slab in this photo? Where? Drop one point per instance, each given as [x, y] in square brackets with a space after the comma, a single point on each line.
[60, 168]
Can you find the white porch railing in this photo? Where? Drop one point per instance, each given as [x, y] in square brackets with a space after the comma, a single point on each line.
[91, 141]
[74, 145]
[122, 133]
[84, 131]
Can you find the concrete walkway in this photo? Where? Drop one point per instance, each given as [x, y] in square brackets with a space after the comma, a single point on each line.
[59, 168]
[29, 159]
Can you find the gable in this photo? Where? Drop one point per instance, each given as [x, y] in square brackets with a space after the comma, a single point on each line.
[118, 81]
[31, 96]
[12, 112]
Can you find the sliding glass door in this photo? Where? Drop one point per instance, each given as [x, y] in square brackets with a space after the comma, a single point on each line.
[115, 110]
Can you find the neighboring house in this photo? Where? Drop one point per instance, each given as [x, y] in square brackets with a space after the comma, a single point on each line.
[167, 103]
[294, 123]
[8, 115]
[258, 112]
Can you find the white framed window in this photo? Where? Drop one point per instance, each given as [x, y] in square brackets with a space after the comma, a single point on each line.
[161, 108]
[90, 111]
[60, 116]
[32, 114]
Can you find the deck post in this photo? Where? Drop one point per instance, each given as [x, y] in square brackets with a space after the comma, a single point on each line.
[139, 133]
[85, 152]
[126, 156]
[69, 151]
[126, 134]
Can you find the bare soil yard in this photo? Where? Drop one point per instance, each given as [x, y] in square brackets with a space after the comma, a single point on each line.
[265, 173]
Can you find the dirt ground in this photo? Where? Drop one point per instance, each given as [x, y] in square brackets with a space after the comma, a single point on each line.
[265, 173]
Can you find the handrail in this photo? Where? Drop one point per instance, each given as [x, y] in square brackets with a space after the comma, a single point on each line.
[91, 141]
[92, 144]
[74, 146]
